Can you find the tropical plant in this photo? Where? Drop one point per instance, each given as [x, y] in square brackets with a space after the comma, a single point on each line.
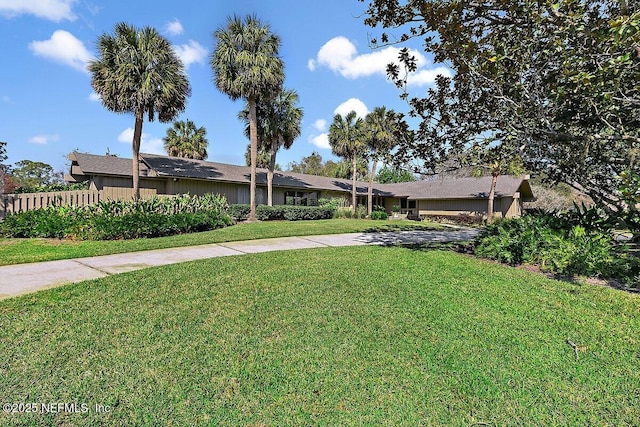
[184, 139]
[347, 140]
[279, 122]
[380, 127]
[246, 65]
[137, 71]
[119, 219]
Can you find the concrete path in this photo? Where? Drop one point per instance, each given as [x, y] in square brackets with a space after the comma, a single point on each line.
[24, 278]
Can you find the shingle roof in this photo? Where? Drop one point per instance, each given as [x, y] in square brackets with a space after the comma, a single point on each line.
[165, 166]
[91, 164]
[459, 188]
[200, 169]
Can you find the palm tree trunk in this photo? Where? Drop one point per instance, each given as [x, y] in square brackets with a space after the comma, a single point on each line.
[135, 145]
[272, 165]
[354, 164]
[492, 195]
[370, 192]
[253, 134]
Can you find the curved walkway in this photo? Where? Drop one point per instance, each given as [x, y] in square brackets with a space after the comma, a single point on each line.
[24, 278]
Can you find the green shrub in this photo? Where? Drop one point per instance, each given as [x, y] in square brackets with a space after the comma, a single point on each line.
[379, 215]
[361, 212]
[334, 202]
[538, 239]
[117, 219]
[343, 213]
[293, 213]
[239, 212]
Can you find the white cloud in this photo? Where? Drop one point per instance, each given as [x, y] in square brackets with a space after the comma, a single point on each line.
[63, 47]
[320, 125]
[94, 97]
[321, 141]
[352, 104]
[148, 144]
[191, 53]
[174, 28]
[53, 10]
[311, 64]
[43, 139]
[341, 55]
[427, 77]
[6, 99]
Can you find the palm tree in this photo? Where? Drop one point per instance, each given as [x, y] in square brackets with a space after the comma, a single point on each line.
[138, 72]
[263, 156]
[380, 128]
[185, 140]
[246, 65]
[347, 140]
[278, 126]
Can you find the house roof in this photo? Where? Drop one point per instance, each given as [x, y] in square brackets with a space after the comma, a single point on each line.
[461, 188]
[153, 165]
[91, 164]
[200, 169]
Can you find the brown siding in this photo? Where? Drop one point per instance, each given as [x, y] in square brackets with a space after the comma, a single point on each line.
[389, 202]
[506, 207]
[195, 187]
[452, 207]
[278, 196]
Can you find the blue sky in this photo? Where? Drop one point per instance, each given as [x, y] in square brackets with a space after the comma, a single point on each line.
[48, 108]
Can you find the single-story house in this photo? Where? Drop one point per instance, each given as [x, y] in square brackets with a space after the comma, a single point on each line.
[175, 175]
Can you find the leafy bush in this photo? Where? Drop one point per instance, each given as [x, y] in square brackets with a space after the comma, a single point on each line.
[361, 212]
[239, 212]
[334, 202]
[118, 219]
[540, 239]
[379, 212]
[343, 213]
[293, 213]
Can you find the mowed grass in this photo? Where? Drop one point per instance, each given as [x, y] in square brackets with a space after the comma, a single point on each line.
[359, 336]
[17, 251]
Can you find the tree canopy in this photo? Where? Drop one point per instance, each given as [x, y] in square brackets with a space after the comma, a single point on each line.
[137, 71]
[348, 140]
[186, 140]
[551, 83]
[31, 176]
[246, 65]
[278, 125]
[389, 174]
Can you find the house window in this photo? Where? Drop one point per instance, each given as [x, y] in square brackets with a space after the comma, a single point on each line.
[412, 204]
[244, 196]
[403, 203]
[301, 198]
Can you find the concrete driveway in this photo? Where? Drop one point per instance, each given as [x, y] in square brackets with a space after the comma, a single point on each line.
[24, 278]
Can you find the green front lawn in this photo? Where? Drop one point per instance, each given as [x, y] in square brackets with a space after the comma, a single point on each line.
[333, 337]
[17, 251]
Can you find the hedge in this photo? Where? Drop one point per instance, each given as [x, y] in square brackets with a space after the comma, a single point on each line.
[293, 213]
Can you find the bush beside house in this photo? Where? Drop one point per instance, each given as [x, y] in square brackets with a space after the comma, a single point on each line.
[117, 219]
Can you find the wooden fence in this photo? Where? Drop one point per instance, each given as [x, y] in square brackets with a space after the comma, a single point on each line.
[11, 203]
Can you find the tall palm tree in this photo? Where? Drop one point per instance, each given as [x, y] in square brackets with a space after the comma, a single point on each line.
[246, 65]
[263, 156]
[184, 139]
[346, 138]
[279, 123]
[137, 71]
[380, 130]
